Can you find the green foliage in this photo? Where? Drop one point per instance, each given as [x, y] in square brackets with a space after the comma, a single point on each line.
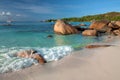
[112, 16]
[50, 20]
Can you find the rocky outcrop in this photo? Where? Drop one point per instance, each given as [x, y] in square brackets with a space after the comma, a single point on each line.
[99, 25]
[114, 28]
[116, 32]
[96, 28]
[89, 33]
[106, 27]
[117, 23]
[62, 27]
[113, 25]
[31, 54]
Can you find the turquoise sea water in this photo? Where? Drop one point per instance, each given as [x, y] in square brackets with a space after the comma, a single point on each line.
[33, 35]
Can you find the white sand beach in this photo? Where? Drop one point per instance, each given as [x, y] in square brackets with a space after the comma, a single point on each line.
[87, 64]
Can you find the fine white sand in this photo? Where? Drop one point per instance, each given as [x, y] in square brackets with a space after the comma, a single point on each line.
[87, 64]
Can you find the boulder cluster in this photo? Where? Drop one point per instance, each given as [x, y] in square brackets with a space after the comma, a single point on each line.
[96, 28]
[107, 27]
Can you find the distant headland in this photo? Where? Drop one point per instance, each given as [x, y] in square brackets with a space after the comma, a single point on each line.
[112, 16]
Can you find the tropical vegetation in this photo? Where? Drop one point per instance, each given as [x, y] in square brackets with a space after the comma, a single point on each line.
[112, 16]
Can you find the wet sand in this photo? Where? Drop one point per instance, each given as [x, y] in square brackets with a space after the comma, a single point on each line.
[87, 64]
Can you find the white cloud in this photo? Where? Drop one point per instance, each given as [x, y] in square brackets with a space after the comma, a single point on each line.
[8, 13]
[3, 13]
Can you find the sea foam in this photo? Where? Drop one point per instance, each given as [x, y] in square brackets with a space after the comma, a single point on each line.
[8, 62]
[55, 53]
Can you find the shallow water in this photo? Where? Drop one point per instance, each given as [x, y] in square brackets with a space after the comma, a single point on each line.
[33, 35]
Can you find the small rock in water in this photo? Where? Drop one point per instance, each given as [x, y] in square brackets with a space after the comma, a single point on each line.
[82, 24]
[49, 36]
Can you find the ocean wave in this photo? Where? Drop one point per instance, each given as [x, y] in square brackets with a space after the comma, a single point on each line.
[8, 62]
[55, 53]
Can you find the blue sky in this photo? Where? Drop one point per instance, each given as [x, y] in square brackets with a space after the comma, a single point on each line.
[28, 10]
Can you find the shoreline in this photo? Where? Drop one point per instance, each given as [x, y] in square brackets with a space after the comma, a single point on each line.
[86, 64]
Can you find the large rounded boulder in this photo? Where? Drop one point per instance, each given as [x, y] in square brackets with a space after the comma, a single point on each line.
[114, 24]
[62, 27]
[117, 23]
[99, 25]
[116, 32]
[89, 33]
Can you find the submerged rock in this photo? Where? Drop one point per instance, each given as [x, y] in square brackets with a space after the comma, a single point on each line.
[49, 36]
[96, 46]
[25, 53]
[31, 54]
[62, 27]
